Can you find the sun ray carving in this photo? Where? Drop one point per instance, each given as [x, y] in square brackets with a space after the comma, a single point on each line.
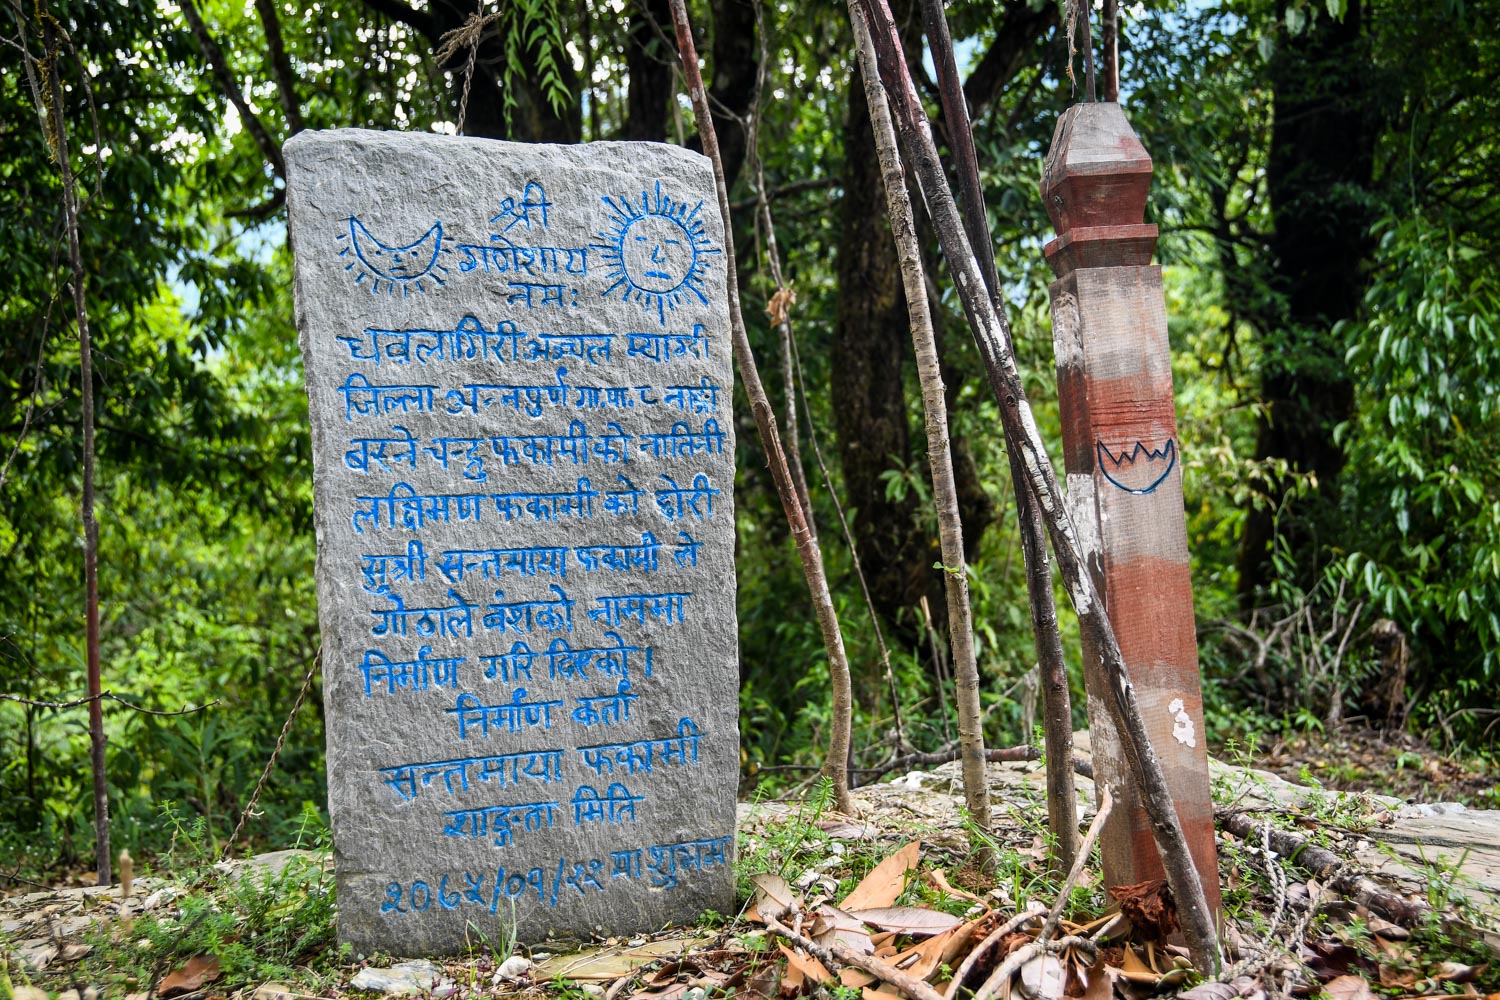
[655, 251]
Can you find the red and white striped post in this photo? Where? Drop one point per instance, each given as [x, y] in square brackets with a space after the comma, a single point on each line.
[1124, 475]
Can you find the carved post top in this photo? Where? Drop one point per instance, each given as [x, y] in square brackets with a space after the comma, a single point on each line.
[1095, 183]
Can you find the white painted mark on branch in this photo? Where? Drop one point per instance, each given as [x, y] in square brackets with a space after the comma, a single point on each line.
[1182, 724]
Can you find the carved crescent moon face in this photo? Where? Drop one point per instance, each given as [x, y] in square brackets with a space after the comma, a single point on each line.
[393, 263]
[386, 267]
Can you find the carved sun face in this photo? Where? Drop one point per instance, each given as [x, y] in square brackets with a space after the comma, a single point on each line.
[654, 251]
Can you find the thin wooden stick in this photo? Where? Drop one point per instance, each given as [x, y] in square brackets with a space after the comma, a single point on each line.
[1057, 714]
[992, 336]
[939, 454]
[836, 766]
[1106, 806]
[57, 136]
[1032, 912]
[840, 953]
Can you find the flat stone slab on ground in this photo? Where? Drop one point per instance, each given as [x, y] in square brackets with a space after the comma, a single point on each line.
[518, 367]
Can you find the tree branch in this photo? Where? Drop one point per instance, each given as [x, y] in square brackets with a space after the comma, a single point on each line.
[1005, 57]
[281, 66]
[219, 66]
[786, 190]
[105, 696]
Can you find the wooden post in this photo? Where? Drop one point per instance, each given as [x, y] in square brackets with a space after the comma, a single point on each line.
[1124, 476]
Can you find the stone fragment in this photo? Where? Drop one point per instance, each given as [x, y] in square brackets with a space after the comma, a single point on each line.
[514, 968]
[401, 979]
[37, 953]
[517, 361]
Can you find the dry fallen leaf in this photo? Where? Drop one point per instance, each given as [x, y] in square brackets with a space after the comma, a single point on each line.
[190, 978]
[1135, 970]
[809, 967]
[842, 829]
[773, 897]
[913, 921]
[883, 885]
[1348, 988]
[1043, 977]
[1214, 991]
[941, 883]
[1097, 985]
[855, 978]
[1392, 977]
[781, 304]
[1445, 972]
[833, 924]
[791, 983]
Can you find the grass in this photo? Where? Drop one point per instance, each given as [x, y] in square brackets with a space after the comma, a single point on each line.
[260, 925]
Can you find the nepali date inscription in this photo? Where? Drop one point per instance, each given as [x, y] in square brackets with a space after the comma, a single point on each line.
[518, 374]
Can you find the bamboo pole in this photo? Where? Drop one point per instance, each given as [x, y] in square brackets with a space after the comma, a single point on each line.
[1057, 705]
[61, 153]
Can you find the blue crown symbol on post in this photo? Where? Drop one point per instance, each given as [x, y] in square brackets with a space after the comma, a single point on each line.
[1140, 470]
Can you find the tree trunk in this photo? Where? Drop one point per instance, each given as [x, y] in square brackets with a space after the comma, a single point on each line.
[939, 456]
[1318, 176]
[648, 63]
[733, 90]
[868, 352]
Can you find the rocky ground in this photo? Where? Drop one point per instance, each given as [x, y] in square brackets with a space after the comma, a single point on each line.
[261, 930]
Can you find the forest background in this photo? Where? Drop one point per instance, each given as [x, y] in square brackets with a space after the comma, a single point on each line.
[1325, 187]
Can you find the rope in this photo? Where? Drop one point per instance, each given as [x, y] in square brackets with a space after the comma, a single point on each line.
[465, 36]
[286, 727]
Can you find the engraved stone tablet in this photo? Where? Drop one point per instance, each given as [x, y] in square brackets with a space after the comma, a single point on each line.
[517, 363]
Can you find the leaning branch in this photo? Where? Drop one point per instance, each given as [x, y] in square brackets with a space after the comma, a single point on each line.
[836, 767]
[992, 336]
[1062, 798]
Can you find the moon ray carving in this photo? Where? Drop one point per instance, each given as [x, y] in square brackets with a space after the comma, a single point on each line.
[388, 267]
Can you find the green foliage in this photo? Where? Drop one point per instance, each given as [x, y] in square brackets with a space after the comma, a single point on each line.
[260, 924]
[1425, 484]
[205, 471]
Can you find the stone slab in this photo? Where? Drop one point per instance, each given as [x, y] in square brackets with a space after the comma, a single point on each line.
[518, 369]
